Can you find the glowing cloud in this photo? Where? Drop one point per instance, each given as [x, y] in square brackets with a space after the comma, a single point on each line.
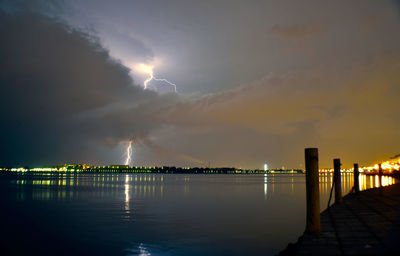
[148, 69]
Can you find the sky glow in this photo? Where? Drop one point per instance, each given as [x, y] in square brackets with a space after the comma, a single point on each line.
[227, 83]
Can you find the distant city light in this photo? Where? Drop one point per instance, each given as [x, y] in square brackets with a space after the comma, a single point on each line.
[265, 167]
[387, 166]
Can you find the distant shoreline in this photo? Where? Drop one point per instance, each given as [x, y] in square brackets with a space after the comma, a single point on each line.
[152, 170]
[169, 170]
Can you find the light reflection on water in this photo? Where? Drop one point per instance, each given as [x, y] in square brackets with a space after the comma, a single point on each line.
[154, 214]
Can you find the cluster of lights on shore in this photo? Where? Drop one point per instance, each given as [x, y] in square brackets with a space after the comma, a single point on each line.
[387, 166]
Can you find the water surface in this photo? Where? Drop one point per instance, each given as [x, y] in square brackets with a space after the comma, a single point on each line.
[153, 214]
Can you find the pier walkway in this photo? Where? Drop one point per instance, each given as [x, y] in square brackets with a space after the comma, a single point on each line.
[367, 223]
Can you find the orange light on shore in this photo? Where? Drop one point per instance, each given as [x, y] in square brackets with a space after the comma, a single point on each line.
[387, 166]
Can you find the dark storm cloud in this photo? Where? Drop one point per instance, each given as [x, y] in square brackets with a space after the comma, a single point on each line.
[62, 93]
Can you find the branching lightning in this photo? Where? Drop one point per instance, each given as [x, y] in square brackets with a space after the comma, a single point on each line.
[129, 150]
[149, 70]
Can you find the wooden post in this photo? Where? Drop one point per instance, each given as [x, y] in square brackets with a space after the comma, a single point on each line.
[380, 175]
[338, 180]
[313, 224]
[356, 174]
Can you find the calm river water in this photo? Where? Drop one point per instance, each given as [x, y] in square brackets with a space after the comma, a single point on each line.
[154, 214]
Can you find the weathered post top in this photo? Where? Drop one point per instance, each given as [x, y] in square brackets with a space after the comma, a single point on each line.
[313, 224]
[356, 182]
[338, 180]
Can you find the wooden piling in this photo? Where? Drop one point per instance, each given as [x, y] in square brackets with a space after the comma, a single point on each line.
[313, 223]
[338, 180]
[380, 175]
[356, 182]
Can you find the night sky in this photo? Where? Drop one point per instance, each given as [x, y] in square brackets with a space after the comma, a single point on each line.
[257, 81]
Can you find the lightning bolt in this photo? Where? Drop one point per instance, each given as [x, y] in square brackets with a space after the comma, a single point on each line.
[128, 159]
[165, 80]
[149, 70]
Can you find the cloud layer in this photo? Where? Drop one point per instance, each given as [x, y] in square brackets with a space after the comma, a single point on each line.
[62, 93]
[352, 115]
[330, 81]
